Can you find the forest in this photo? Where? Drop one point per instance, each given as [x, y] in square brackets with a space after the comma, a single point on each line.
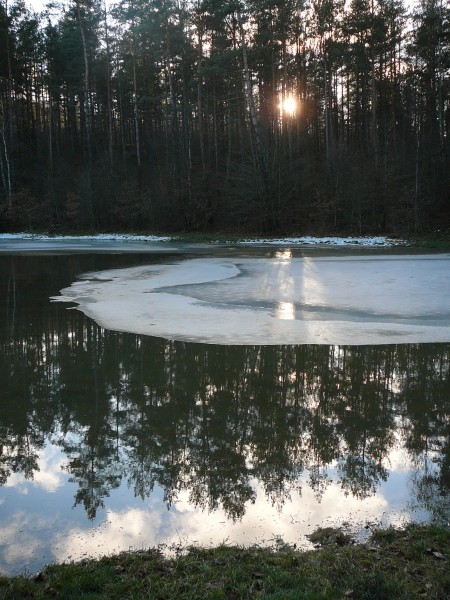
[234, 116]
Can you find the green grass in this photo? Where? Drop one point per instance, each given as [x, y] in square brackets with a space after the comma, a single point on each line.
[407, 564]
[433, 241]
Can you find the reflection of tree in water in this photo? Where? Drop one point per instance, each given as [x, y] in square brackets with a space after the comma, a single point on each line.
[426, 430]
[366, 419]
[18, 454]
[22, 425]
[212, 421]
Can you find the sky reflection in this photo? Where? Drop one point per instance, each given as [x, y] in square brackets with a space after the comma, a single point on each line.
[29, 539]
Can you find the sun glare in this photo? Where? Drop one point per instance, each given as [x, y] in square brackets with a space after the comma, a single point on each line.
[289, 105]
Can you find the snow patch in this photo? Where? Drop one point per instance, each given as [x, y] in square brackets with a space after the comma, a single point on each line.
[98, 236]
[328, 241]
[293, 241]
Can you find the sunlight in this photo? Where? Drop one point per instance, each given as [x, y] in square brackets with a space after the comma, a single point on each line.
[285, 311]
[283, 255]
[288, 106]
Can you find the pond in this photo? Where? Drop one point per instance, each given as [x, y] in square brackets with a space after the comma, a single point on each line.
[142, 419]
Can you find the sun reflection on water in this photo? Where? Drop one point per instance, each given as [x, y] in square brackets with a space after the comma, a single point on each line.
[283, 254]
[285, 311]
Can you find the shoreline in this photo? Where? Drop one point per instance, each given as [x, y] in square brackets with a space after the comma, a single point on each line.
[394, 563]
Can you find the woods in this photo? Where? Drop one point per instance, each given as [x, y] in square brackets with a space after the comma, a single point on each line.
[255, 116]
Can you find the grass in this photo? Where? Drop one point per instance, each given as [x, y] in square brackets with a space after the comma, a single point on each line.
[393, 564]
[433, 241]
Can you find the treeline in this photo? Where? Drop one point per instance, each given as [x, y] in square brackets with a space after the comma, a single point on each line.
[235, 115]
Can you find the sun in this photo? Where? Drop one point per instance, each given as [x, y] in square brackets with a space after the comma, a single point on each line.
[289, 105]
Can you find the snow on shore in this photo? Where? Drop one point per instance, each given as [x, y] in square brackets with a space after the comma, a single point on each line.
[330, 241]
[97, 236]
[300, 241]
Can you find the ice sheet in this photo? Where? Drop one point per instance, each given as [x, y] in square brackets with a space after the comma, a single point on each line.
[283, 300]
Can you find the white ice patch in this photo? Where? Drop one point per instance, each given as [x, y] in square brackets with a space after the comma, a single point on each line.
[284, 300]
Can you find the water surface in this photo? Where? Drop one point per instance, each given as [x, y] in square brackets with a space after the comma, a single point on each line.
[112, 440]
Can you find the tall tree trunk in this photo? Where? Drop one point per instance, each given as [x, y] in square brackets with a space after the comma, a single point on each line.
[86, 113]
[136, 109]
[270, 216]
[8, 139]
[5, 167]
[216, 144]
[108, 91]
[373, 88]
[50, 152]
[200, 103]
[326, 110]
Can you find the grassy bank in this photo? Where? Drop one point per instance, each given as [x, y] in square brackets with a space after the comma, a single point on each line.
[407, 564]
[436, 241]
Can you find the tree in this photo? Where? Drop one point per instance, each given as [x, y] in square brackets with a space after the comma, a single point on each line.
[167, 115]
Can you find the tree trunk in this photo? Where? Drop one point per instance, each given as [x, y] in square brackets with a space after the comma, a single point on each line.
[109, 95]
[6, 168]
[86, 113]
[200, 104]
[8, 140]
[270, 221]
[136, 110]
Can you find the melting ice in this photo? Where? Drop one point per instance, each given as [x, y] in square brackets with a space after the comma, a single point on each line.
[281, 300]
